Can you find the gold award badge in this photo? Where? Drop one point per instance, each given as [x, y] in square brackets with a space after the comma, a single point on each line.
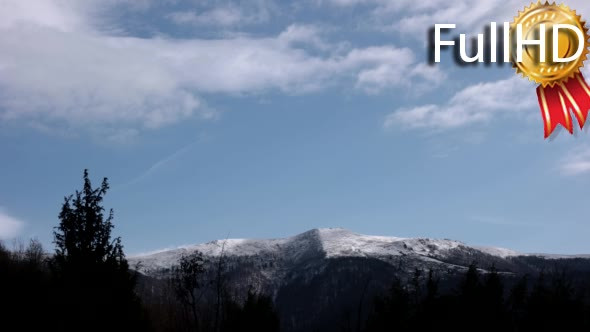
[552, 47]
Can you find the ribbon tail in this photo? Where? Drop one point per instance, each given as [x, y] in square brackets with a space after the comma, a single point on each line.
[554, 109]
[577, 97]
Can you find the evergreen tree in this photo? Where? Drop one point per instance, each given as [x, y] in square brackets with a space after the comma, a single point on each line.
[93, 279]
[469, 287]
[392, 310]
[492, 301]
[517, 300]
[468, 301]
[429, 314]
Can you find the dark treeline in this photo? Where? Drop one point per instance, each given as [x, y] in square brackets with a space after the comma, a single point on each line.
[86, 284]
[482, 301]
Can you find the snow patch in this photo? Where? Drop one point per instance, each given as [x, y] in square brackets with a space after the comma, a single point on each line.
[499, 252]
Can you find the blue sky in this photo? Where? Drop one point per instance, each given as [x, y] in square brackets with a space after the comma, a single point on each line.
[266, 118]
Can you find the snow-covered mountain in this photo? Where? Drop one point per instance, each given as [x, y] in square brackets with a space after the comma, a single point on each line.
[324, 242]
[317, 277]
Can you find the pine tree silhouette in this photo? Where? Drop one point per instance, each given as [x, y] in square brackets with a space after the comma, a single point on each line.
[94, 283]
[492, 301]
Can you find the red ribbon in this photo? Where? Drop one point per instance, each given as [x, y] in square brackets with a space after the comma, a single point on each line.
[557, 101]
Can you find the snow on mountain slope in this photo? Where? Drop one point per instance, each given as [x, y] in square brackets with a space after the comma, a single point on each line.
[499, 252]
[326, 242]
[340, 242]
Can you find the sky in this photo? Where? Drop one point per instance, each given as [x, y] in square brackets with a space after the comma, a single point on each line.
[264, 119]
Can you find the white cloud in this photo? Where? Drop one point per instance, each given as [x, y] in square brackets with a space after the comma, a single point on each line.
[53, 66]
[476, 103]
[10, 227]
[226, 15]
[384, 67]
[468, 15]
[576, 162]
[309, 35]
[416, 17]
[218, 16]
[60, 15]
[87, 79]
[57, 68]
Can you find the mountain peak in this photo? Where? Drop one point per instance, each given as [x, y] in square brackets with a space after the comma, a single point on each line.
[320, 242]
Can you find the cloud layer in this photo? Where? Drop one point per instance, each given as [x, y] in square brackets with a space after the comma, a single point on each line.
[10, 227]
[56, 67]
[476, 103]
[576, 162]
[416, 17]
[224, 14]
[63, 62]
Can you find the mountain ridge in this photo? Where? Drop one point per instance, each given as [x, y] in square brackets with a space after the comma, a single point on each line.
[316, 276]
[329, 242]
